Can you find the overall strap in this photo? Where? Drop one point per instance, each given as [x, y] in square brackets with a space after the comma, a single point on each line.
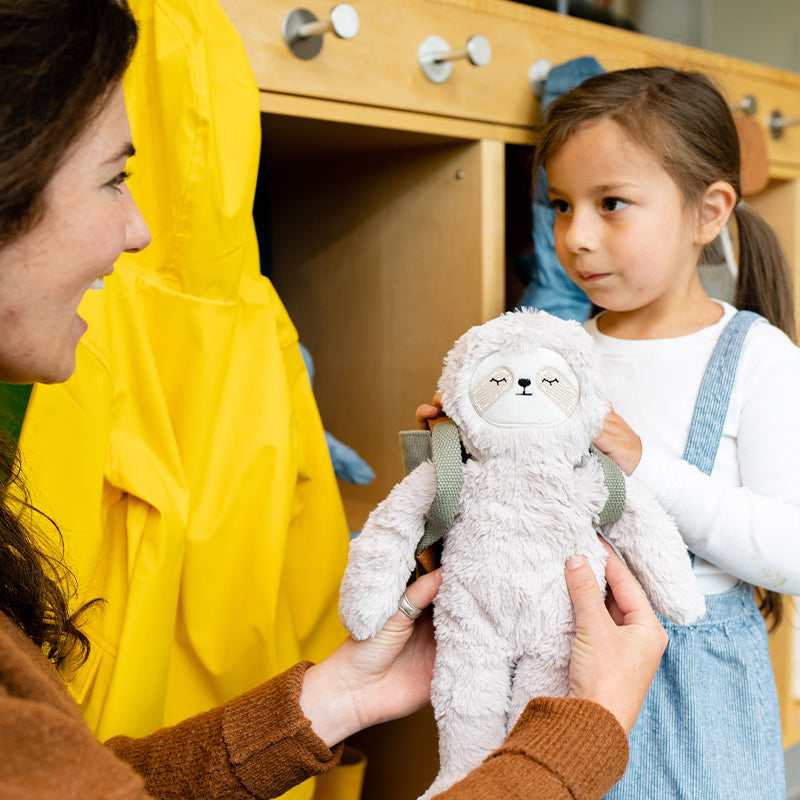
[711, 408]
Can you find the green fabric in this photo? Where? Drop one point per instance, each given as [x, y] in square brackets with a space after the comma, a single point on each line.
[13, 404]
[615, 483]
[416, 447]
[446, 446]
[443, 444]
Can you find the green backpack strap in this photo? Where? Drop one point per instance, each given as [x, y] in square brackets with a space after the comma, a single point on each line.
[443, 445]
[446, 447]
[615, 484]
[415, 447]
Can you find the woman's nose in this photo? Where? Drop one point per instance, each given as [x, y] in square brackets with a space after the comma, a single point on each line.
[137, 234]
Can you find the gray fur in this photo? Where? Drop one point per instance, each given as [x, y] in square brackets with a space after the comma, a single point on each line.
[530, 498]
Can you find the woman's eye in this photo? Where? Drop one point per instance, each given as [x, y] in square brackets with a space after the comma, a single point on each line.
[560, 206]
[613, 203]
[118, 180]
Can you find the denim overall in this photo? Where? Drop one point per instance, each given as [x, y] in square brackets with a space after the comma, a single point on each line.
[710, 725]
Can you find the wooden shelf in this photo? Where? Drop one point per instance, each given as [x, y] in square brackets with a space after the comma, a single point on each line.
[386, 219]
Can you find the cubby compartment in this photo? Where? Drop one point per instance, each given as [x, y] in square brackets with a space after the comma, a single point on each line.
[382, 202]
[384, 246]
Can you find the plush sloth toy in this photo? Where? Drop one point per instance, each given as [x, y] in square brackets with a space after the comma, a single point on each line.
[528, 396]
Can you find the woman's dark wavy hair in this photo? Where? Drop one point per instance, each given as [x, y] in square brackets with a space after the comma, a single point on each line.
[59, 62]
[684, 120]
[35, 586]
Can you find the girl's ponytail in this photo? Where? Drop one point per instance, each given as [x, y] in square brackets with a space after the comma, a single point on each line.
[763, 283]
[763, 286]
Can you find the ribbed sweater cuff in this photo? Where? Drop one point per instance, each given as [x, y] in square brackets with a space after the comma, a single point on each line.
[269, 739]
[579, 742]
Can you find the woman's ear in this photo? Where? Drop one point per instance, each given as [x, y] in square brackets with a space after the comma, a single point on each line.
[715, 209]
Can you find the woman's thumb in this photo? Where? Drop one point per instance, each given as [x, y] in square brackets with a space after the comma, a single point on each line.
[587, 599]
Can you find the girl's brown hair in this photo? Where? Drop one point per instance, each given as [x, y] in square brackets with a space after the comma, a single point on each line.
[59, 62]
[684, 120]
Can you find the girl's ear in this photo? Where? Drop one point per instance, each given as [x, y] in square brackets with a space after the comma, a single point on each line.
[715, 209]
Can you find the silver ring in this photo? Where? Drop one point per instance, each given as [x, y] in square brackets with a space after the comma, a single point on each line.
[407, 607]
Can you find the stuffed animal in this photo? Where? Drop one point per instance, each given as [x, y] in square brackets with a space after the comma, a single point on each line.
[527, 394]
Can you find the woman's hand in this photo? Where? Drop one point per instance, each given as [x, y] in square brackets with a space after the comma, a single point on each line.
[619, 442]
[364, 683]
[618, 642]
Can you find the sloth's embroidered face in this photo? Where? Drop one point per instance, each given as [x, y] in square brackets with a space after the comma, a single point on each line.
[531, 388]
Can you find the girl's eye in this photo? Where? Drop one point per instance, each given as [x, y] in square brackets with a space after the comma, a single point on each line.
[613, 203]
[560, 206]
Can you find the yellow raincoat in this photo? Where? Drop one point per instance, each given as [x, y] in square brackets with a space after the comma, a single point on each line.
[185, 460]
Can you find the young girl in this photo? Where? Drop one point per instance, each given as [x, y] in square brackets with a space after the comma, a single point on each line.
[643, 171]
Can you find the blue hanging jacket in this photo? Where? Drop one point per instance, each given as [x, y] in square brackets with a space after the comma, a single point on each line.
[548, 286]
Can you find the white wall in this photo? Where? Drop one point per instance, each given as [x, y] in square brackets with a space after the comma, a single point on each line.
[767, 31]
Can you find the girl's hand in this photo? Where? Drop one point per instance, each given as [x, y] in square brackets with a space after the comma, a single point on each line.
[619, 442]
[364, 683]
[618, 643]
[426, 412]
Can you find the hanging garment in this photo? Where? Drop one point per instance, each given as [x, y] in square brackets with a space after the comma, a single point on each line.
[185, 461]
[547, 285]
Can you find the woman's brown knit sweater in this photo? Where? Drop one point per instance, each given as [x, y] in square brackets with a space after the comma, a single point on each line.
[260, 744]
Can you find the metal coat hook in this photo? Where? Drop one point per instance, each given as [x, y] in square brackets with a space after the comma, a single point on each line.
[436, 58]
[303, 31]
[776, 123]
[748, 104]
[537, 75]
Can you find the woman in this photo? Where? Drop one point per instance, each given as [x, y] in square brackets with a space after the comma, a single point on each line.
[65, 216]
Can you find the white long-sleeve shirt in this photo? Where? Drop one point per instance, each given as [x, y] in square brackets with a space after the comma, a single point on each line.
[742, 521]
